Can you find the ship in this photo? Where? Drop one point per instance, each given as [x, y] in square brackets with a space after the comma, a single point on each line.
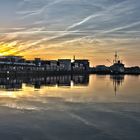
[118, 67]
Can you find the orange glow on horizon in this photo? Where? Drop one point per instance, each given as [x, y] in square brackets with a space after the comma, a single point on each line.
[93, 55]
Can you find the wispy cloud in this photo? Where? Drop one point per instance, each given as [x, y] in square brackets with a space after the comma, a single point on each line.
[32, 25]
[27, 14]
[83, 21]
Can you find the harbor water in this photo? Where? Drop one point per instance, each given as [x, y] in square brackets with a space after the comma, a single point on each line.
[80, 107]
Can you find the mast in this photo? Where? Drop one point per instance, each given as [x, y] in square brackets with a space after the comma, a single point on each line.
[74, 58]
[116, 57]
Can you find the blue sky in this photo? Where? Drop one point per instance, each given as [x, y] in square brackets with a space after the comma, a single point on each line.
[52, 29]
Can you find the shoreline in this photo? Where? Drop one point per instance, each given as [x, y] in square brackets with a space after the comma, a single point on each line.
[43, 74]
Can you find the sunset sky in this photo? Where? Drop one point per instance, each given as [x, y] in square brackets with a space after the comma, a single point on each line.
[53, 29]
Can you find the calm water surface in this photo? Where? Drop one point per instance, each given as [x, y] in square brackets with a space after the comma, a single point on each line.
[91, 107]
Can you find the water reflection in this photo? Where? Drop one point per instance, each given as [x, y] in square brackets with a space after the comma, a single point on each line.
[117, 82]
[83, 106]
[16, 83]
[75, 88]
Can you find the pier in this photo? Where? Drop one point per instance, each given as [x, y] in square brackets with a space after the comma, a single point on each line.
[18, 66]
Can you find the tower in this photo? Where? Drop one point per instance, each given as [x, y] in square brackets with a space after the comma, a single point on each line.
[74, 58]
[116, 57]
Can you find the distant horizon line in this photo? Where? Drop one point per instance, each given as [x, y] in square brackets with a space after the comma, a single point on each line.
[72, 59]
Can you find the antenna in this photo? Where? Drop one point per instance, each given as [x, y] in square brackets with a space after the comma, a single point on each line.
[116, 57]
[109, 61]
[74, 58]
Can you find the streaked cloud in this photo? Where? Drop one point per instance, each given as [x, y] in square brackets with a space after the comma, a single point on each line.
[70, 27]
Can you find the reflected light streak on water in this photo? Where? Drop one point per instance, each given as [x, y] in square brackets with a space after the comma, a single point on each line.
[70, 107]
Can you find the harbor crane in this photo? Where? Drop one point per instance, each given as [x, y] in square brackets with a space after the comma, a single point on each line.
[109, 61]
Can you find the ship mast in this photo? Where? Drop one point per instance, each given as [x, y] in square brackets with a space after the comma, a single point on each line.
[116, 57]
[74, 58]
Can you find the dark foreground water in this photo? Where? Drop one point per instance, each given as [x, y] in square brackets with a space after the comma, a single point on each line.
[70, 108]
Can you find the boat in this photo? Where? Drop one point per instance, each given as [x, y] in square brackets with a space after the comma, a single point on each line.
[118, 67]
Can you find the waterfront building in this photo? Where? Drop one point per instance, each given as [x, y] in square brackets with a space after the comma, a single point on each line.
[37, 61]
[64, 64]
[53, 65]
[12, 59]
[80, 65]
[102, 69]
[13, 65]
[132, 70]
